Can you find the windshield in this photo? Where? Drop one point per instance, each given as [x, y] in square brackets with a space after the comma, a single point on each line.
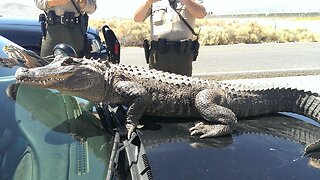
[52, 132]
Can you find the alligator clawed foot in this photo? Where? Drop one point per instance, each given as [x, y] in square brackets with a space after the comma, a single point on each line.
[210, 130]
[131, 128]
[313, 147]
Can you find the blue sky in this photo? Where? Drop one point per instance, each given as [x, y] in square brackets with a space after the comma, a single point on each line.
[126, 8]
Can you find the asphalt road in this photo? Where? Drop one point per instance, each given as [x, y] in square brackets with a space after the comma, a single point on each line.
[242, 58]
[287, 64]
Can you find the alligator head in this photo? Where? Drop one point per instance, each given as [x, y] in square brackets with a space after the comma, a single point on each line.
[78, 77]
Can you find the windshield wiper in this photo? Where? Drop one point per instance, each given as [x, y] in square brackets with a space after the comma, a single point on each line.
[136, 156]
[129, 154]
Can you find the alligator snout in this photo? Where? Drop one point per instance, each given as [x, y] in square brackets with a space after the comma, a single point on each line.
[20, 72]
[21, 69]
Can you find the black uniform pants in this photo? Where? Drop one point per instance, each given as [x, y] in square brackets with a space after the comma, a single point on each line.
[59, 33]
[171, 61]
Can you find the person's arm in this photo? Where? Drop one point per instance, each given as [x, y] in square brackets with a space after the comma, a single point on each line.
[45, 4]
[143, 11]
[88, 6]
[197, 10]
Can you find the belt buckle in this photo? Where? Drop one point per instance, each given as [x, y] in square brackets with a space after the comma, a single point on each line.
[61, 19]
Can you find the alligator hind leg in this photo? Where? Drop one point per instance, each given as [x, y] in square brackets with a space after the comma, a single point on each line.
[209, 103]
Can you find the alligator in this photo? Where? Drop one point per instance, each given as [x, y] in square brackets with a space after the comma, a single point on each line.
[150, 92]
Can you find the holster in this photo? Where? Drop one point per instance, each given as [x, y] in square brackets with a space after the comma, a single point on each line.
[42, 20]
[162, 45]
[51, 17]
[87, 48]
[195, 48]
[146, 47]
[185, 46]
[84, 20]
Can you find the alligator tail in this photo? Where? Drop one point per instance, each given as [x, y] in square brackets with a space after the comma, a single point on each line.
[256, 102]
[309, 105]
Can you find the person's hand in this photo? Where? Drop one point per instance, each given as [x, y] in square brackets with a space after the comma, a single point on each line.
[184, 1]
[197, 10]
[82, 3]
[152, 1]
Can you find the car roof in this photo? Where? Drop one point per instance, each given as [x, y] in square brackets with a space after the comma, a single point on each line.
[264, 147]
[19, 21]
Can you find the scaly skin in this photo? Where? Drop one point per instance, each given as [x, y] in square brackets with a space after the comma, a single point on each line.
[158, 93]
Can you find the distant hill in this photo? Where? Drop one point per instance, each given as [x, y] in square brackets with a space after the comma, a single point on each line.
[19, 10]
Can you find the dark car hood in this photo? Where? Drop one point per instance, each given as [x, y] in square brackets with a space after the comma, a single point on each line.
[269, 147]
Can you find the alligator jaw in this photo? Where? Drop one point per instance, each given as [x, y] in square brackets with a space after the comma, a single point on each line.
[43, 80]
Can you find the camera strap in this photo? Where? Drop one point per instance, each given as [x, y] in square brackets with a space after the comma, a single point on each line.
[186, 23]
[77, 8]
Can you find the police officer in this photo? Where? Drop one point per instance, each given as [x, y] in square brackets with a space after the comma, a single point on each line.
[65, 22]
[173, 43]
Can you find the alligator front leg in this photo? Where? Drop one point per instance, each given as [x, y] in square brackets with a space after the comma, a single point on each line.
[137, 99]
[209, 103]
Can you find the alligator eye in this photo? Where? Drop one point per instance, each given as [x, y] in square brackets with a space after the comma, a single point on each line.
[69, 61]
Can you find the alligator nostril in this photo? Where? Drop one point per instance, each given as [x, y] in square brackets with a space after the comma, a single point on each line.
[21, 70]
[24, 69]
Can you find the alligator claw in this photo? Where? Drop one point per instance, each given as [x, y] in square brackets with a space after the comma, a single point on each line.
[315, 146]
[210, 130]
[131, 128]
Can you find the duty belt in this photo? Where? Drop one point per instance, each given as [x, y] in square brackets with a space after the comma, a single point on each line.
[68, 19]
[182, 46]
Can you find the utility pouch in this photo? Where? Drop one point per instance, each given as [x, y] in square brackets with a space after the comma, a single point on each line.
[162, 45]
[188, 47]
[51, 17]
[195, 48]
[154, 45]
[66, 19]
[182, 47]
[71, 22]
[146, 47]
[84, 19]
